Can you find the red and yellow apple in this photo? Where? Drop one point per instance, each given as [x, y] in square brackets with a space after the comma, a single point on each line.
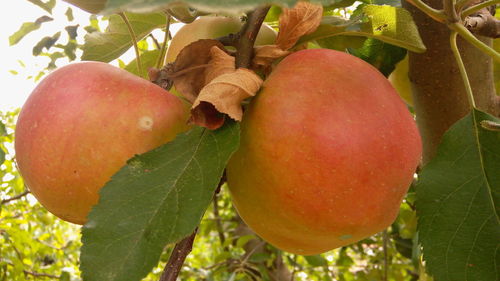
[81, 124]
[328, 150]
[210, 27]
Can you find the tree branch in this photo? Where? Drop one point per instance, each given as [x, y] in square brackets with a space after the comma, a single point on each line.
[32, 273]
[248, 33]
[176, 260]
[483, 23]
[19, 196]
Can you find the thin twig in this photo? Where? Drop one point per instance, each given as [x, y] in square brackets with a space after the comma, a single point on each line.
[467, 35]
[33, 273]
[385, 239]
[218, 222]
[19, 196]
[461, 67]
[163, 50]
[248, 33]
[475, 8]
[176, 259]
[134, 41]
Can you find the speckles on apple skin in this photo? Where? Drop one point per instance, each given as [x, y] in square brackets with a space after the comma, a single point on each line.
[145, 123]
[345, 237]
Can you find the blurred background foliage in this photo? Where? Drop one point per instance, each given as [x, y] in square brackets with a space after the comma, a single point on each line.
[35, 245]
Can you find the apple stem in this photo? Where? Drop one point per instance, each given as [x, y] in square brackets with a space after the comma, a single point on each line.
[247, 35]
[134, 41]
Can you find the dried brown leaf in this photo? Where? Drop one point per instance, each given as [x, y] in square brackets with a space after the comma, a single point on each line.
[188, 72]
[302, 19]
[265, 55]
[220, 63]
[207, 116]
[226, 92]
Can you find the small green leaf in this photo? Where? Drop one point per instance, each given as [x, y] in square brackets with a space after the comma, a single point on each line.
[47, 5]
[26, 28]
[458, 199]
[341, 42]
[115, 41]
[69, 14]
[47, 42]
[72, 31]
[316, 260]
[385, 23]
[158, 198]
[148, 59]
[381, 55]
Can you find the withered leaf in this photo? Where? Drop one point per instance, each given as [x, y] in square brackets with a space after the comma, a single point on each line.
[220, 63]
[265, 55]
[302, 19]
[207, 116]
[189, 68]
[226, 92]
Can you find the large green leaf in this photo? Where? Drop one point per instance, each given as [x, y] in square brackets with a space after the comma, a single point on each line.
[215, 6]
[458, 198]
[385, 23]
[109, 45]
[156, 199]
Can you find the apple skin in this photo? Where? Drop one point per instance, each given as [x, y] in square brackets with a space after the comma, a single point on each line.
[209, 27]
[81, 124]
[328, 151]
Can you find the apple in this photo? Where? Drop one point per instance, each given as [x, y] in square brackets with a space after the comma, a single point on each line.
[401, 82]
[328, 150]
[81, 124]
[210, 27]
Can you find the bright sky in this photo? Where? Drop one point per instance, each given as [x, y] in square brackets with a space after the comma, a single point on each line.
[16, 88]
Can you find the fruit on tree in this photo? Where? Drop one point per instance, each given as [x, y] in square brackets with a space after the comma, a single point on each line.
[210, 27]
[401, 82]
[328, 150]
[81, 124]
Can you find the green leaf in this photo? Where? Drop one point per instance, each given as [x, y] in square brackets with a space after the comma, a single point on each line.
[381, 55]
[458, 197]
[341, 42]
[115, 41]
[158, 198]
[69, 14]
[213, 6]
[148, 59]
[46, 42]
[72, 31]
[26, 28]
[385, 23]
[316, 260]
[47, 6]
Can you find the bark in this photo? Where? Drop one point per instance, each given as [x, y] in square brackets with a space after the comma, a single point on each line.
[438, 90]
